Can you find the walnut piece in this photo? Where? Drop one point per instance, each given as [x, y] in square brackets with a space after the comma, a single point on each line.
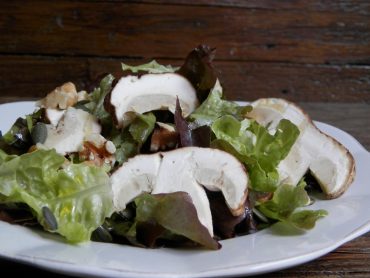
[61, 97]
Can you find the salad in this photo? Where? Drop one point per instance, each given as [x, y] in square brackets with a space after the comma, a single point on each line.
[158, 157]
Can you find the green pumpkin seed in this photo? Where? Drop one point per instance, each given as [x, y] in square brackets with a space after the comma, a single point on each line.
[101, 234]
[50, 220]
[39, 133]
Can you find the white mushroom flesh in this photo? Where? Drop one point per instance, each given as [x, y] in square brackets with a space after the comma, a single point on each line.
[69, 134]
[177, 174]
[188, 170]
[54, 115]
[328, 161]
[151, 92]
[137, 175]
[216, 173]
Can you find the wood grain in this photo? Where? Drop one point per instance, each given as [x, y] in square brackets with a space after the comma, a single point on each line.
[316, 53]
[117, 29]
[34, 76]
[348, 6]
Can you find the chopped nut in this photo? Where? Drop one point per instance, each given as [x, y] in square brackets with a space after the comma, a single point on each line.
[110, 147]
[163, 139]
[61, 97]
[96, 139]
[82, 95]
[95, 151]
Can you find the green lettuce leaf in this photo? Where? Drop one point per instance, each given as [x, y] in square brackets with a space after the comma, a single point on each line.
[284, 204]
[19, 138]
[95, 104]
[126, 146]
[258, 149]
[142, 127]
[129, 140]
[215, 107]
[72, 199]
[151, 67]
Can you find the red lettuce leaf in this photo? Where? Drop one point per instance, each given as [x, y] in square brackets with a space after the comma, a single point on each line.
[198, 69]
[198, 137]
[225, 224]
[174, 212]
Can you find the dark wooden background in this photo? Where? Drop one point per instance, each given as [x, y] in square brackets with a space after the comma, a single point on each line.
[300, 50]
[314, 52]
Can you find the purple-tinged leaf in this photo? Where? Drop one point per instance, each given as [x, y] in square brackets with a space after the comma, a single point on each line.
[176, 213]
[198, 69]
[198, 137]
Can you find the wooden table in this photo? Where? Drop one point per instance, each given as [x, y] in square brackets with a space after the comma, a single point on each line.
[314, 52]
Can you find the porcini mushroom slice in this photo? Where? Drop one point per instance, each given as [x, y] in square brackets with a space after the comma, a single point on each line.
[220, 171]
[188, 170]
[177, 174]
[54, 115]
[137, 175]
[69, 134]
[328, 161]
[150, 92]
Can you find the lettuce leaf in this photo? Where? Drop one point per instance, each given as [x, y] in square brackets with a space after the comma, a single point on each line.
[284, 204]
[198, 69]
[215, 107]
[95, 104]
[199, 136]
[20, 137]
[151, 67]
[258, 149]
[155, 217]
[126, 146]
[176, 213]
[142, 127]
[72, 199]
[129, 140]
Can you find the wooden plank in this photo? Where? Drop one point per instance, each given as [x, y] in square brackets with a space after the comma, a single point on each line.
[28, 77]
[350, 117]
[349, 6]
[336, 264]
[148, 30]
[249, 81]
[31, 76]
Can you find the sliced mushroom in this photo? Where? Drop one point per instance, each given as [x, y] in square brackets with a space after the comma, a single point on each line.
[54, 115]
[150, 92]
[219, 171]
[137, 175]
[328, 161]
[188, 170]
[69, 134]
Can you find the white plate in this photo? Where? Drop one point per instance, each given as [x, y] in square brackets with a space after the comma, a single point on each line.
[265, 251]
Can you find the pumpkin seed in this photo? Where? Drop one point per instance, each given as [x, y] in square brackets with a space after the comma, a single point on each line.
[39, 133]
[50, 220]
[101, 234]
